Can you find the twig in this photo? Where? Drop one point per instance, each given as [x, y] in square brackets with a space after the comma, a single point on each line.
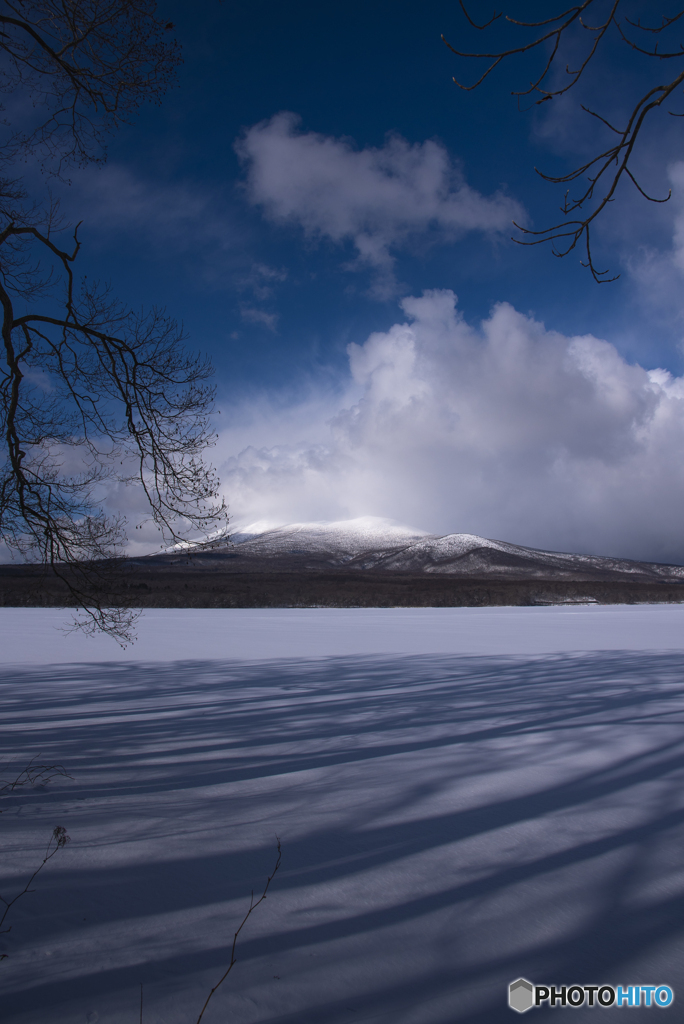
[606, 169]
[34, 775]
[57, 841]
[252, 906]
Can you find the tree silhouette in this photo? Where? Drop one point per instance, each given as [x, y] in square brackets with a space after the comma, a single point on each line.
[91, 392]
[602, 173]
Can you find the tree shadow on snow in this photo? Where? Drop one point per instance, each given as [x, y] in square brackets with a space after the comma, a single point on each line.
[471, 820]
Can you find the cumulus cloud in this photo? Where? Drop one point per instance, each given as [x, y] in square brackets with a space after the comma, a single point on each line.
[376, 198]
[508, 430]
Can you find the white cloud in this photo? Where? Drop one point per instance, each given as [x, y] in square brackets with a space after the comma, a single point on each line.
[511, 431]
[259, 316]
[261, 280]
[377, 198]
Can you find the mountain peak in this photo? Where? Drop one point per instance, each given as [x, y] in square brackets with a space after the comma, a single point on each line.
[360, 534]
[373, 543]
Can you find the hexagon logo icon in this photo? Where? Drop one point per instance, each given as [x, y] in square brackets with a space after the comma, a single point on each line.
[521, 995]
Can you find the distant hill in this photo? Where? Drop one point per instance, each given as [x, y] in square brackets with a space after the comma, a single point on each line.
[371, 544]
[366, 562]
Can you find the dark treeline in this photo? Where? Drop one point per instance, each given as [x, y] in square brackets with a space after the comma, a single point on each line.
[185, 587]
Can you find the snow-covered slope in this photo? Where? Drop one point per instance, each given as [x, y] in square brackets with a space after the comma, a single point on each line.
[349, 536]
[374, 544]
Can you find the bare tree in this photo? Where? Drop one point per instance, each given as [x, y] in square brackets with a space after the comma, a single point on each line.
[90, 392]
[603, 172]
[87, 66]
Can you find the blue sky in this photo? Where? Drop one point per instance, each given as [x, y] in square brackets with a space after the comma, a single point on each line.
[316, 166]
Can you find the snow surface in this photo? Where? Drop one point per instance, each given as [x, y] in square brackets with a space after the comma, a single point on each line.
[463, 796]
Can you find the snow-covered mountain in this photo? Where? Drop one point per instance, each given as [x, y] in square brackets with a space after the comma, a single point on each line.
[374, 544]
[346, 537]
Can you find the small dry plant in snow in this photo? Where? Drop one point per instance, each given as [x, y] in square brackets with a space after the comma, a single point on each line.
[33, 775]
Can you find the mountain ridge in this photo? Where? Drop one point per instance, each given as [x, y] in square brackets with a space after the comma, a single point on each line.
[371, 544]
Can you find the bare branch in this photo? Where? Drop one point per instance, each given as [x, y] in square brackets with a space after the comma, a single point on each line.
[666, 22]
[651, 199]
[592, 113]
[89, 64]
[494, 17]
[606, 168]
[34, 775]
[650, 53]
[92, 394]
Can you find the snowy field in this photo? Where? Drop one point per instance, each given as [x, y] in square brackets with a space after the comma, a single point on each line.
[463, 796]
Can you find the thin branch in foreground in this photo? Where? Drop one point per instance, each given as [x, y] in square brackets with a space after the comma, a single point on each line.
[606, 169]
[35, 775]
[93, 396]
[124, 403]
[252, 907]
[57, 841]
